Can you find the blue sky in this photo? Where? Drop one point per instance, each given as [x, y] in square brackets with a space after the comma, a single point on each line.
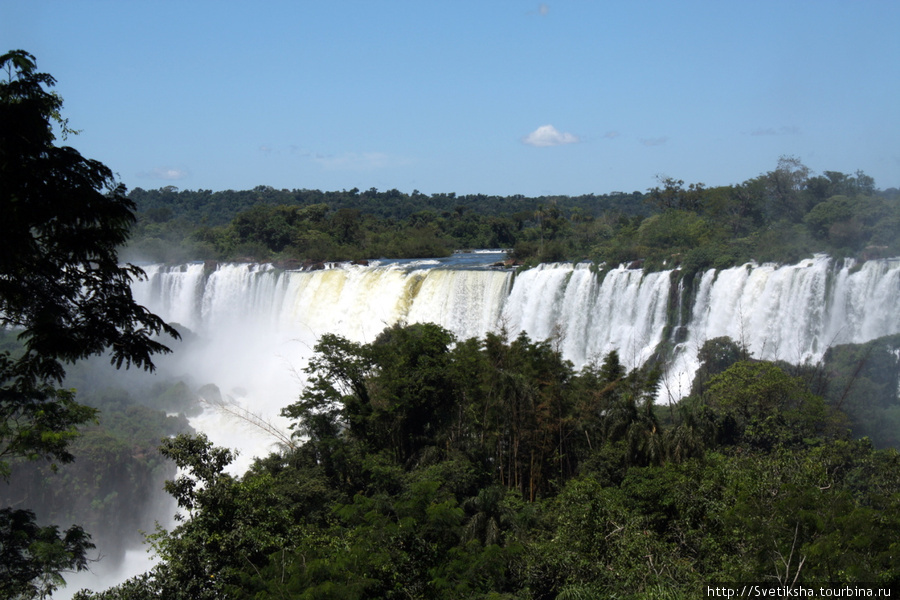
[494, 97]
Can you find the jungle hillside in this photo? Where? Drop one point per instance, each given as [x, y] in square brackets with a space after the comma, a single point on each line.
[779, 216]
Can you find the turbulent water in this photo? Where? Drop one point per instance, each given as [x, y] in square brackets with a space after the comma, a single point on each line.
[258, 324]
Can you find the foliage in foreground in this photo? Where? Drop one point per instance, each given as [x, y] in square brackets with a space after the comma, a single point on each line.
[436, 468]
[65, 296]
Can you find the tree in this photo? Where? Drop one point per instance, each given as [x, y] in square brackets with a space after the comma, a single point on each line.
[673, 195]
[393, 394]
[230, 523]
[758, 405]
[715, 356]
[784, 186]
[32, 557]
[62, 290]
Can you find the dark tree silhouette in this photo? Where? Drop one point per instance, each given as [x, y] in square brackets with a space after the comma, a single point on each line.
[63, 294]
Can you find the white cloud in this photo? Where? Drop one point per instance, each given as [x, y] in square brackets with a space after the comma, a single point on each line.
[543, 9]
[165, 173]
[548, 135]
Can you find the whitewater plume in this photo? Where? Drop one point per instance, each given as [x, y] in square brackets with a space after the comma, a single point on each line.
[590, 316]
[792, 313]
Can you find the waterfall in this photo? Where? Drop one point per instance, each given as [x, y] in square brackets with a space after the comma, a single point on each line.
[792, 313]
[258, 324]
[626, 311]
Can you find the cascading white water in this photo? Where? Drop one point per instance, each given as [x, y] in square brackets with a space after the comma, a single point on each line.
[792, 313]
[625, 312]
[259, 324]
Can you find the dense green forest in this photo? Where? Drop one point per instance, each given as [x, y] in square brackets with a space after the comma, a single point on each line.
[782, 216]
[430, 467]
